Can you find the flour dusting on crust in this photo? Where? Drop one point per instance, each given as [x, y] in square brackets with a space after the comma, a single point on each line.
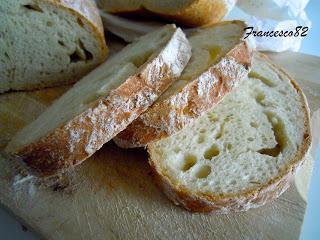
[74, 141]
[182, 108]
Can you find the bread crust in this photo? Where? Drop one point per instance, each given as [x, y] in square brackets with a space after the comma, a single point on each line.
[201, 13]
[197, 13]
[242, 201]
[165, 118]
[79, 138]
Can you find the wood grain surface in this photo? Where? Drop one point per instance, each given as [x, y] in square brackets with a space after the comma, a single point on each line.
[113, 195]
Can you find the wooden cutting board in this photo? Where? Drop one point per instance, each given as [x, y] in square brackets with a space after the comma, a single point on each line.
[113, 196]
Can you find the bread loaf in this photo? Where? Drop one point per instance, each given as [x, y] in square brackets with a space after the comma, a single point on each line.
[48, 42]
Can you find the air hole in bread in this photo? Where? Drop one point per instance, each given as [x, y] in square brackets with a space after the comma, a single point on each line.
[201, 138]
[254, 125]
[88, 55]
[189, 161]
[250, 139]
[33, 7]
[254, 182]
[61, 43]
[75, 57]
[213, 118]
[229, 146]
[228, 118]
[260, 98]
[80, 54]
[261, 78]
[203, 171]
[211, 152]
[279, 134]
[220, 133]
[49, 24]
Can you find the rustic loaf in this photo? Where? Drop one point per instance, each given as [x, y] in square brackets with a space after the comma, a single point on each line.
[242, 153]
[220, 60]
[186, 12]
[102, 103]
[48, 42]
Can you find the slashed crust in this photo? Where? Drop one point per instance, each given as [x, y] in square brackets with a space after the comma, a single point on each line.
[242, 201]
[78, 139]
[198, 13]
[182, 108]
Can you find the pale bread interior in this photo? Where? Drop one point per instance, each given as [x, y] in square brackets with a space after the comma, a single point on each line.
[43, 45]
[209, 46]
[240, 144]
[96, 84]
[163, 6]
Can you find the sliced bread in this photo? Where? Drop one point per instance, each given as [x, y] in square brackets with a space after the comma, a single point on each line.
[242, 153]
[220, 60]
[103, 103]
[186, 12]
[48, 43]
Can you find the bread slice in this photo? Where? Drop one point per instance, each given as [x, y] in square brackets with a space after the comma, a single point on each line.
[103, 103]
[48, 43]
[128, 29]
[242, 153]
[220, 60]
[186, 12]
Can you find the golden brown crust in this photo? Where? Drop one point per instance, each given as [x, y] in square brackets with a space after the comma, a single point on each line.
[87, 12]
[164, 118]
[252, 198]
[198, 13]
[78, 139]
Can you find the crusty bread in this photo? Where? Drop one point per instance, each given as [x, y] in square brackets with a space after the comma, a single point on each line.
[220, 59]
[48, 42]
[186, 12]
[242, 153]
[103, 103]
